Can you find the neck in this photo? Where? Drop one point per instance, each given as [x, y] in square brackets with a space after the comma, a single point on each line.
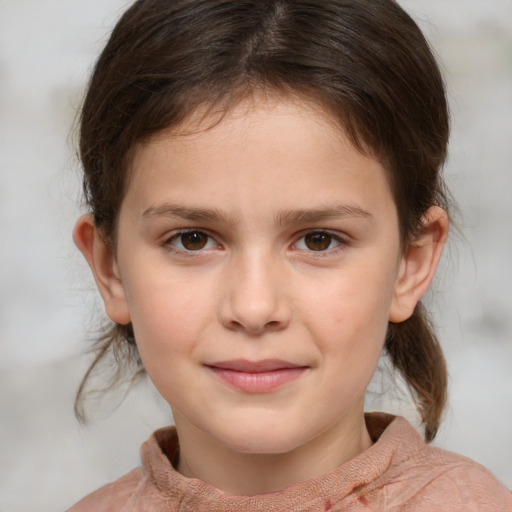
[236, 473]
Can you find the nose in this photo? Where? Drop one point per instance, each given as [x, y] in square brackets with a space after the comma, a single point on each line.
[254, 299]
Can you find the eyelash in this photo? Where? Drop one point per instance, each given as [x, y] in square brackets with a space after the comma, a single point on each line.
[341, 243]
[168, 243]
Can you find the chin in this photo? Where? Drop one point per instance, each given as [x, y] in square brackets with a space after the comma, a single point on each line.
[263, 439]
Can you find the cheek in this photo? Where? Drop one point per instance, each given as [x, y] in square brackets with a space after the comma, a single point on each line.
[350, 312]
[168, 329]
[168, 316]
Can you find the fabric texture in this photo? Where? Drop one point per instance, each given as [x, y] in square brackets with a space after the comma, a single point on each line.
[400, 472]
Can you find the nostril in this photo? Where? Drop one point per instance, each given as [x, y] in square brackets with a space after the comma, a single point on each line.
[272, 325]
[236, 326]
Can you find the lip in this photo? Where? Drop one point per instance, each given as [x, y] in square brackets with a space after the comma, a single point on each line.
[257, 376]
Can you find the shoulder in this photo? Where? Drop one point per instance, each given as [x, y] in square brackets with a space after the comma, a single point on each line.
[431, 478]
[462, 483]
[416, 476]
[111, 497]
[135, 489]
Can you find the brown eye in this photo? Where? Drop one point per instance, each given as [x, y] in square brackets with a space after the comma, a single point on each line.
[194, 240]
[318, 241]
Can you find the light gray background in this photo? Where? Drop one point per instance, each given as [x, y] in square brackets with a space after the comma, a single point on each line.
[47, 461]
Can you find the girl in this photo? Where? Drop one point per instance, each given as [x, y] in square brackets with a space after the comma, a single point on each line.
[266, 214]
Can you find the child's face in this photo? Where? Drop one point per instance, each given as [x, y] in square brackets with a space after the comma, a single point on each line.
[260, 264]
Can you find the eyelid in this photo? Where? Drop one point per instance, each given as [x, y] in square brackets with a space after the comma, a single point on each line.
[338, 237]
[170, 237]
[177, 233]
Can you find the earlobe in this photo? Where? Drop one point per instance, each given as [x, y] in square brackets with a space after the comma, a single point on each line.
[104, 268]
[419, 264]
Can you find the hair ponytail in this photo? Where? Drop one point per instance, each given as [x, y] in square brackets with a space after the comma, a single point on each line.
[416, 353]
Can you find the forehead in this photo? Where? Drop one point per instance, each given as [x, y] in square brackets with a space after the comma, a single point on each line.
[266, 150]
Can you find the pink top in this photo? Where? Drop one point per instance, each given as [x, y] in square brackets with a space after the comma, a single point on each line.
[398, 473]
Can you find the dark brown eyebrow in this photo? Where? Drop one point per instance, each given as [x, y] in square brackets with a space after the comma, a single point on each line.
[286, 217]
[321, 214]
[185, 212]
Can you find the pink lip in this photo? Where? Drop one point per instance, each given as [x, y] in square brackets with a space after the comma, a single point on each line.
[256, 377]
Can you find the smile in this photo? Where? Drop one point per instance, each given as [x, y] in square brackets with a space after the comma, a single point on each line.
[256, 377]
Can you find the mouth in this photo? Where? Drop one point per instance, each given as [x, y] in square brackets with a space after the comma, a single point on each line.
[256, 376]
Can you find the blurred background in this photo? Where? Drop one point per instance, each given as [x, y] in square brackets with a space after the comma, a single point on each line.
[48, 307]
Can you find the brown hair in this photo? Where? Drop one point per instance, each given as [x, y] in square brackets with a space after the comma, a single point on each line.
[366, 61]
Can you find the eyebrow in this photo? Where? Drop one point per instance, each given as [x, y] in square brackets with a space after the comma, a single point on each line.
[285, 217]
[189, 213]
[320, 214]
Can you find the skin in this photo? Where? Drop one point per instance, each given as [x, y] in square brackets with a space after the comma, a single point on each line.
[251, 188]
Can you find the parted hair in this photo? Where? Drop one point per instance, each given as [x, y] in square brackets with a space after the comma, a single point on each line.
[365, 61]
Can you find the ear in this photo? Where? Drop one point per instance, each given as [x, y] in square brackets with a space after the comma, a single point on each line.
[104, 268]
[419, 263]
